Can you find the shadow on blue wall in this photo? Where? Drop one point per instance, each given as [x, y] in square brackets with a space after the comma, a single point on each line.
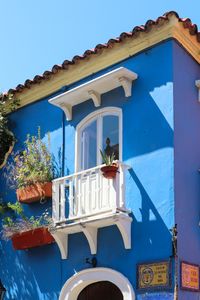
[151, 240]
[156, 236]
[27, 266]
[146, 130]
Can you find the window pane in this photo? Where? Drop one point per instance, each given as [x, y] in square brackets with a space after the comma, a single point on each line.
[111, 135]
[89, 146]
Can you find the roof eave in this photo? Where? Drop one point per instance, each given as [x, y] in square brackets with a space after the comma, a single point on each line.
[160, 30]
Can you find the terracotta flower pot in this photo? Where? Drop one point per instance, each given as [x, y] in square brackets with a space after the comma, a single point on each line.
[109, 172]
[32, 238]
[34, 192]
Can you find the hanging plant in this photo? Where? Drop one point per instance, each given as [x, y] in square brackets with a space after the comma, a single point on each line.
[32, 170]
[25, 232]
[7, 138]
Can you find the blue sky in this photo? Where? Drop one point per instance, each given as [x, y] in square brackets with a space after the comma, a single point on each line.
[37, 34]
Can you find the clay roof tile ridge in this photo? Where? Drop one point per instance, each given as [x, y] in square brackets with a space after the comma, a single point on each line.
[193, 30]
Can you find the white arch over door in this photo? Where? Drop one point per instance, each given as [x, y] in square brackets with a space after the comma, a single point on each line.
[80, 280]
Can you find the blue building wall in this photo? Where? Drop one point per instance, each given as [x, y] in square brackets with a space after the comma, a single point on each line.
[187, 158]
[147, 147]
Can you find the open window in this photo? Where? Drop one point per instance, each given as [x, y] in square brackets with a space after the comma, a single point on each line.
[100, 130]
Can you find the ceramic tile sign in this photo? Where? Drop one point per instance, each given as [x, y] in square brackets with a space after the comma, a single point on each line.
[189, 276]
[154, 275]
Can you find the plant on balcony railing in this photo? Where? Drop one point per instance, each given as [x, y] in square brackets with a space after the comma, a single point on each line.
[32, 171]
[6, 136]
[110, 169]
[25, 232]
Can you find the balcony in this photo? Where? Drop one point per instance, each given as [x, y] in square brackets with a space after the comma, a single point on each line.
[86, 201]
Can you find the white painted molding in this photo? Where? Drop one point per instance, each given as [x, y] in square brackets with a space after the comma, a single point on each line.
[127, 85]
[94, 88]
[80, 280]
[109, 110]
[124, 226]
[91, 236]
[67, 110]
[62, 241]
[96, 97]
[197, 83]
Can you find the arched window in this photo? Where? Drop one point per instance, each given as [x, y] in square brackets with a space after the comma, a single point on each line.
[101, 130]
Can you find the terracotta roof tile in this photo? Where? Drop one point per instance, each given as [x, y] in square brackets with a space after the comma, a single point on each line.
[193, 30]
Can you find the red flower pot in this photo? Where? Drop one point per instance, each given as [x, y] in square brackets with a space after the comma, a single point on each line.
[34, 192]
[32, 238]
[109, 172]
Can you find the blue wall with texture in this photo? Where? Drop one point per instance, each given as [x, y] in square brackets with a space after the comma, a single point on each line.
[39, 274]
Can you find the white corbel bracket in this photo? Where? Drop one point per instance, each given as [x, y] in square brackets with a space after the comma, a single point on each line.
[127, 85]
[61, 239]
[96, 98]
[124, 226]
[91, 236]
[67, 110]
[90, 230]
[197, 83]
[94, 88]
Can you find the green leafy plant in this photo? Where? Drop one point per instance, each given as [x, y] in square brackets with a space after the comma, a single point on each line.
[34, 164]
[6, 136]
[107, 159]
[16, 221]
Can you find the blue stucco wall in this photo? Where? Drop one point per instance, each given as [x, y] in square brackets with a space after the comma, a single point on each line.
[147, 148]
[187, 158]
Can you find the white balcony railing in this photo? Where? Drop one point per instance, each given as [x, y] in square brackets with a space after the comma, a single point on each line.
[87, 194]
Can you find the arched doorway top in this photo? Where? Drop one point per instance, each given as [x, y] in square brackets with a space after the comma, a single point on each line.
[80, 280]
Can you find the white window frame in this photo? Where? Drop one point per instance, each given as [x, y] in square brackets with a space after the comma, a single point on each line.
[97, 115]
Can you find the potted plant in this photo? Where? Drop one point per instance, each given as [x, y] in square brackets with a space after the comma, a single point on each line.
[32, 171]
[26, 233]
[111, 168]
